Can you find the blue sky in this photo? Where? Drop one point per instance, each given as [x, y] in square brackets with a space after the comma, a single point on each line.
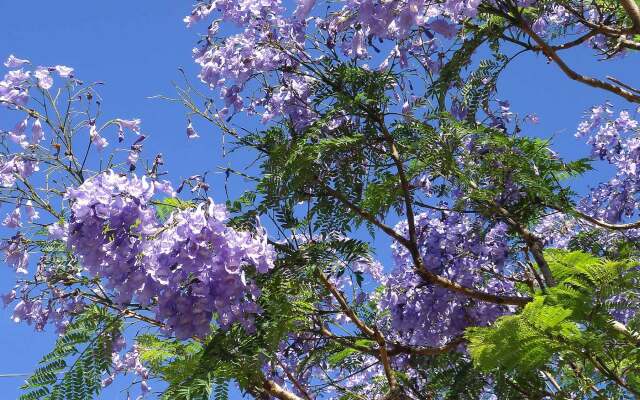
[136, 47]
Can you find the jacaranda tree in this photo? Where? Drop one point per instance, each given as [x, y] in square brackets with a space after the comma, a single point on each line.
[379, 119]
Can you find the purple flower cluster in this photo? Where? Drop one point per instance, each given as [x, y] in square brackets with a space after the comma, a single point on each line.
[111, 217]
[14, 88]
[198, 264]
[231, 63]
[275, 45]
[556, 230]
[262, 67]
[186, 269]
[129, 362]
[615, 140]
[452, 245]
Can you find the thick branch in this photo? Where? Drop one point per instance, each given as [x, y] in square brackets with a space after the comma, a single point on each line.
[421, 269]
[474, 294]
[406, 188]
[374, 333]
[633, 11]
[564, 46]
[278, 391]
[533, 242]
[425, 351]
[394, 348]
[295, 382]
[595, 221]
[345, 306]
[346, 341]
[606, 225]
[386, 361]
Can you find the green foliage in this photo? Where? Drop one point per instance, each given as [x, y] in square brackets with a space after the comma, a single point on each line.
[567, 328]
[479, 86]
[451, 73]
[532, 338]
[166, 206]
[521, 173]
[74, 368]
[196, 370]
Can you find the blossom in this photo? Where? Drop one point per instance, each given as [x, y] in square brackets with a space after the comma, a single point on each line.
[100, 142]
[142, 258]
[32, 213]
[133, 125]
[57, 231]
[303, 8]
[37, 133]
[452, 246]
[444, 28]
[63, 71]
[15, 62]
[13, 219]
[17, 135]
[45, 81]
[191, 133]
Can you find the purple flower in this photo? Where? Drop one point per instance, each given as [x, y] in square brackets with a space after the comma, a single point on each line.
[14, 62]
[100, 142]
[32, 213]
[444, 28]
[143, 259]
[45, 81]
[304, 8]
[57, 231]
[13, 219]
[21, 311]
[540, 26]
[7, 298]
[452, 245]
[16, 253]
[37, 133]
[63, 71]
[18, 136]
[133, 125]
[132, 159]
[191, 133]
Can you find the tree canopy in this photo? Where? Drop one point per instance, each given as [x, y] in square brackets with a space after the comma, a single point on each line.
[378, 118]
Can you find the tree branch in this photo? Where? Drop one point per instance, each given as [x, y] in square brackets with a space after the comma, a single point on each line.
[593, 82]
[394, 348]
[362, 213]
[277, 391]
[345, 306]
[533, 242]
[373, 333]
[398, 348]
[421, 270]
[633, 11]
[295, 382]
[595, 221]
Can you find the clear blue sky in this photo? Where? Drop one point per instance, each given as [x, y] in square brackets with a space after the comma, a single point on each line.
[135, 47]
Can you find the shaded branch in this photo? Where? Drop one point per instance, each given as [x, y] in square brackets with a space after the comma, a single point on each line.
[398, 348]
[633, 11]
[593, 82]
[533, 242]
[373, 333]
[344, 306]
[362, 213]
[277, 391]
[421, 269]
[595, 221]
